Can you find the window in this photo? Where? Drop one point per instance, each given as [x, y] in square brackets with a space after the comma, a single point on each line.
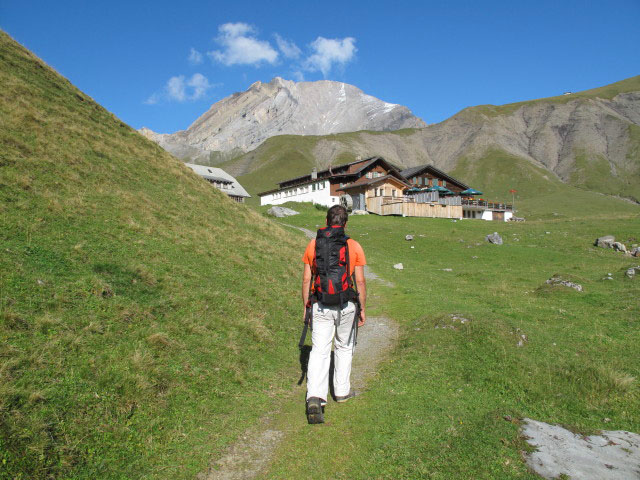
[313, 187]
[393, 192]
[444, 183]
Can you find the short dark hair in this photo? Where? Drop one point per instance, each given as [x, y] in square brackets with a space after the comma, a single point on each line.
[337, 215]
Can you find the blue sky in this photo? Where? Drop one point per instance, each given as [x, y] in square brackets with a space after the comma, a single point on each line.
[162, 64]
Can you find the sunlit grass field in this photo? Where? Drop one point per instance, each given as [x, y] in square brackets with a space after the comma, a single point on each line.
[438, 408]
[145, 318]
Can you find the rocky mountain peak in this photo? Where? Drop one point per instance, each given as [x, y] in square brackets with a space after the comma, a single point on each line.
[241, 122]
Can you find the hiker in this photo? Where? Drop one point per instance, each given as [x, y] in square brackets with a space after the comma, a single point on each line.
[334, 307]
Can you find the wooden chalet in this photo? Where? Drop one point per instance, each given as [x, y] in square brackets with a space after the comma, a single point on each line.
[379, 187]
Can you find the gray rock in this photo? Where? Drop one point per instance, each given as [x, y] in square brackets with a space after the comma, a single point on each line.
[619, 247]
[408, 238]
[398, 266]
[494, 238]
[605, 242]
[612, 455]
[632, 271]
[359, 212]
[281, 212]
[564, 283]
[635, 252]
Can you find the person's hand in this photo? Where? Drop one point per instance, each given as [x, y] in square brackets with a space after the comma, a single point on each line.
[363, 318]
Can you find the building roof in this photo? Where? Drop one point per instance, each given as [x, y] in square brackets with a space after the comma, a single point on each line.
[346, 169]
[410, 172]
[219, 175]
[372, 181]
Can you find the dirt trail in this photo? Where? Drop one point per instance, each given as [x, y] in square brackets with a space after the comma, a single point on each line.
[254, 450]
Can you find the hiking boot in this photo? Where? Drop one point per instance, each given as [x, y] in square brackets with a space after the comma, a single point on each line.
[314, 410]
[343, 399]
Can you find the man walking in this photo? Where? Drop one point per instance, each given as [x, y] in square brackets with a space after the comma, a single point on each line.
[331, 261]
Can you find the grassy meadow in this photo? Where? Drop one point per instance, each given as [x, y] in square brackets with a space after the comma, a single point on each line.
[145, 319]
[438, 408]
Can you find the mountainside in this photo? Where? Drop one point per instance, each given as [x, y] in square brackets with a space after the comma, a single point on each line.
[589, 139]
[133, 342]
[242, 121]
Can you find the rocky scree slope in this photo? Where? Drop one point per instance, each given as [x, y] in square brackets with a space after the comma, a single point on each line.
[589, 139]
[242, 121]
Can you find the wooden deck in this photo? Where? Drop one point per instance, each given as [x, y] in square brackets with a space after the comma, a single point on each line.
[407, 208]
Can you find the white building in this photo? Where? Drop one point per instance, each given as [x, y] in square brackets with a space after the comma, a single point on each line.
[222, 181]
[317, 191]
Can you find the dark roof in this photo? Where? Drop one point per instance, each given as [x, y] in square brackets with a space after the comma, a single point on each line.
[339, 170]
[372, 181]
[410, 172]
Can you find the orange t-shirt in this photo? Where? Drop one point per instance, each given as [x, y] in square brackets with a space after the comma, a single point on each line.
[356, 254]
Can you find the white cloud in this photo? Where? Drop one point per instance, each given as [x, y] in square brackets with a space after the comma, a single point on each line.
[288, 49]
[153, 99]
[330, 51]
[200, 84]
[182, 89]
[195, 57]
[241, 47]
[176, 89]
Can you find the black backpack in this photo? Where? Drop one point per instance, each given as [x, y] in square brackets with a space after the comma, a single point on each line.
[333, 282]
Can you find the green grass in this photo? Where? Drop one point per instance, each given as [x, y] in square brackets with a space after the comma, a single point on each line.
[607, 92]
[145, 319]
[437, 408]
[540, 195]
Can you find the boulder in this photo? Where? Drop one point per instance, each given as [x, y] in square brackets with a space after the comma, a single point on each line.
[635, 252]
[564, 283]
[605, 242]
[494, 238]
[632, 271]
[619, 247]
[408, 238]
[281, 212]
[398, 266]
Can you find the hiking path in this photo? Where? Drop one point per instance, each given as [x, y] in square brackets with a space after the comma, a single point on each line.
[252, 453]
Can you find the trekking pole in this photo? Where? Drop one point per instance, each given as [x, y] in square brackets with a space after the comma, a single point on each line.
[354, 328]
[307, 324]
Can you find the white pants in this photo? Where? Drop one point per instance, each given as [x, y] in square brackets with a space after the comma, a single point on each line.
[322, 336]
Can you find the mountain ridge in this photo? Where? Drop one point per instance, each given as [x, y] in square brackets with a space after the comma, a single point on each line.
[589, 139]
[242, 121]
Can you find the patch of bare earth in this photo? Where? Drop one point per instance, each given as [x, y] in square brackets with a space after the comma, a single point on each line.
[253, 451]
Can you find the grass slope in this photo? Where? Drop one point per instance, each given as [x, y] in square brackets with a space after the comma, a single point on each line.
[145, 319]
[437, 409]
[539, 193]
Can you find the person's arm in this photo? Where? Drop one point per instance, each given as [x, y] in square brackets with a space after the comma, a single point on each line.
[362, 293]
[306, 283]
